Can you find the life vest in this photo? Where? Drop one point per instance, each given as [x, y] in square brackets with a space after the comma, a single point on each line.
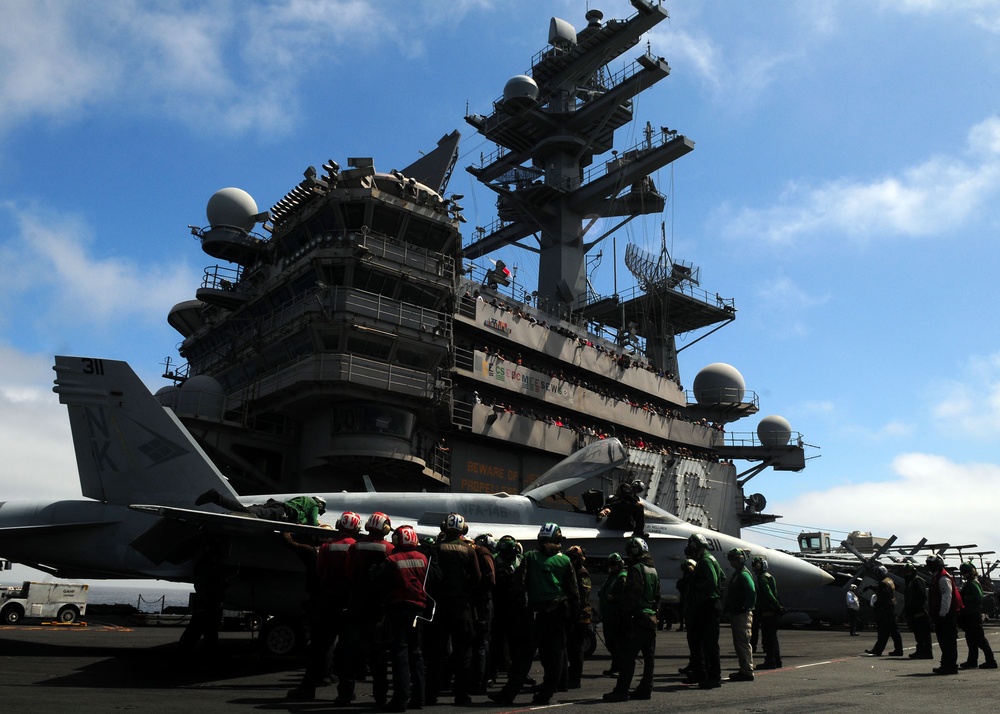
[934, 594]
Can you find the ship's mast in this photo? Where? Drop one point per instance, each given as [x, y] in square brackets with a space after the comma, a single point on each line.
[549, 126]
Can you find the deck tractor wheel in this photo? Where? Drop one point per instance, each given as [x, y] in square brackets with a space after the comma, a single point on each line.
[12, 614]
[281, 636]
[68, 614]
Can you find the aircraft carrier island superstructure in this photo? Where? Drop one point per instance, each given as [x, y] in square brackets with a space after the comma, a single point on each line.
[351, 332]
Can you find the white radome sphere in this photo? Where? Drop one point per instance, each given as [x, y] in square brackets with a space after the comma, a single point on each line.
[521, 90]
[719, 383]
[774, 431]
[231, 207]
[167, 396]
[201, 396]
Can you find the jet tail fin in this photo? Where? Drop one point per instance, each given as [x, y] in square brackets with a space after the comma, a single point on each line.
[129, 448]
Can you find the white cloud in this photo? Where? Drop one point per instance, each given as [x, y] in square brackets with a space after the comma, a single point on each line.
[35, 440]
[984, 13]
[892, 430]
[783, 303]
[937, 196]
[697, 54]
[971, 409]
[924, 499]
[735, 77]
[51, 68]
[216, 66]
[53, 277]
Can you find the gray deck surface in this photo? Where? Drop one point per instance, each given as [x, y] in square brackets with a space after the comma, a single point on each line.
[103, 668]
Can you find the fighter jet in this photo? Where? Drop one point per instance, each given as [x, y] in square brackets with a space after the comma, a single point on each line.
[141, 472]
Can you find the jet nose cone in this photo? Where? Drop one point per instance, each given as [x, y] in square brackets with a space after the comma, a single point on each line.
[795, 573]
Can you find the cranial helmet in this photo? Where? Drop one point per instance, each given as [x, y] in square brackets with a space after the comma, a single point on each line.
[759, 562]
[406, 537]
[636, 548]
[967, 569]
[349, 521]
[615, 561]
[486, 541]
[508, 546]
[575, 553]
[378, 523]
[320, 503]
[550, 532]
[455, 522]
[935, 561]
[737, 555]
[697, 540]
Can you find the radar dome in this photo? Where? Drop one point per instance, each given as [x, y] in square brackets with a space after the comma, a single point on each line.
[232, 207]
[774, 431]
[167, 396]
[201, 396]
[719, 383]
[520, 91]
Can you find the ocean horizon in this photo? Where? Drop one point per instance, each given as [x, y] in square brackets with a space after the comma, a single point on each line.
[151, 596]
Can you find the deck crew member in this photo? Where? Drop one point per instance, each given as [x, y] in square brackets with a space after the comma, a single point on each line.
[511, 616]
[687, 568]
[364, 611]
[915, 609]
[739, 602]
[578, 629]
[767, 611]
[455, 579]
[624, 511]
[483, 669]
[705, 594]
[640, 603]
[944, 603]
[612, 613]
[327, 622]
[972, 621]
[304, 510]
[885, 615]
[401, 577]
[853, 605]
[552, 595]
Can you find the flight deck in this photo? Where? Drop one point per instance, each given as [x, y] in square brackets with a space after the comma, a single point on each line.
[104, 667]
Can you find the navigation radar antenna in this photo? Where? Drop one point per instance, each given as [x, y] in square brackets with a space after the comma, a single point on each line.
[654, 273]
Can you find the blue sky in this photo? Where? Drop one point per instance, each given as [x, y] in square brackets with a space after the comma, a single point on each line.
[843, 190]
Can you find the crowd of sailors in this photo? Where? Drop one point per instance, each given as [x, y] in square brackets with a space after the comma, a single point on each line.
[450, 614]
[623, 359]
[589, 429]
[422, 617]
[940, 602]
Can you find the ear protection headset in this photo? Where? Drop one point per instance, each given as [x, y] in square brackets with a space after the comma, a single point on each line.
[378, 522]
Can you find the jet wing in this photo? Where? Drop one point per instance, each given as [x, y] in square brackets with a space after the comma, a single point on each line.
[232, 524]
[13, 532]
